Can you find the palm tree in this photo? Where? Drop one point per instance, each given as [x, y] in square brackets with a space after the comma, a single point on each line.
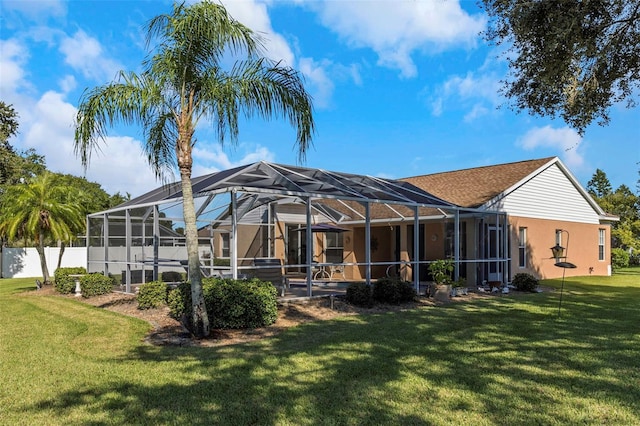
[41, 211]
[183, 82]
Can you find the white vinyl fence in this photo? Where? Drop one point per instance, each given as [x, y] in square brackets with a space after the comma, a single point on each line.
[25, 262]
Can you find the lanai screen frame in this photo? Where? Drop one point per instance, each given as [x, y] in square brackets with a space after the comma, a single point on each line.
[278, 182]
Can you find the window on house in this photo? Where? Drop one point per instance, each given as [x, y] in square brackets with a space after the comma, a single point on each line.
[226, 251]
[334, 247]
[601, 240]
[522, 248]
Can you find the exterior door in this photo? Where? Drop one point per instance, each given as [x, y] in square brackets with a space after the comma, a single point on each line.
[494, 252]
[296, 247]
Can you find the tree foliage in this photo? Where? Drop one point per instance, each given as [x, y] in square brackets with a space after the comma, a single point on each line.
[183, 81]
[567, 58]
[15, 166]
[41, 211]
[623, 203]
[599, 185]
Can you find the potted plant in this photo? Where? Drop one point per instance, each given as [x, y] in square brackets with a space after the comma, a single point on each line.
[459, 288]
[441, 272]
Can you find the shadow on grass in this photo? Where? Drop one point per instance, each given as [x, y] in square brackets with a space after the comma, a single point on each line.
[500, 360]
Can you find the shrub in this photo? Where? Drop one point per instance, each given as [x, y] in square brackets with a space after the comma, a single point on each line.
[63, 282]
[360, 294]
[619, 258]
[152, 295]
[179, 302]
[525, 282]
[393, 291]
[230, 303]
[96, 284]
[440, 271]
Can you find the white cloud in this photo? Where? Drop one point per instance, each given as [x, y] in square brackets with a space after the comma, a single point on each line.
[67, 83]
[36, 9]
[396, 29]
[565, 141]
[321, 86]
[117, 166]
[209, 158]
[254, 15]
[479, 92]
[13, 56]
[84, 53]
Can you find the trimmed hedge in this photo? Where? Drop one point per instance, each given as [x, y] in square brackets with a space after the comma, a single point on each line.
[96, 284]
[230, 303]
[63, 282]
[360, 294]
[393, 291]
[152, 295]
[525, 282]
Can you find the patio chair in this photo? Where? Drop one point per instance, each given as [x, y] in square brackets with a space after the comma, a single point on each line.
[270, 269]
[336, 269]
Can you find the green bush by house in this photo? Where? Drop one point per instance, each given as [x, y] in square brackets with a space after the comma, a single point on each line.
[230, 303]
[619, 258]
[96, 284]
[360, 294]
[152, 295]
[63, 282]
[393, 291]
[524, 282]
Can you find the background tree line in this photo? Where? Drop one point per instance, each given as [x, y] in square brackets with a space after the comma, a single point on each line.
[625, 234]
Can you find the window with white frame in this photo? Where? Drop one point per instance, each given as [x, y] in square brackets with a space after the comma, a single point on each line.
[601, 240]
[334, 250]
[226, 252]
[522, 247]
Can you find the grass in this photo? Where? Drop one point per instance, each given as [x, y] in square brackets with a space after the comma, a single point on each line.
[503, 360]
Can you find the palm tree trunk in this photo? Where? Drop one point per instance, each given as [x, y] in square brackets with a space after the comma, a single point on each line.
[200, 320]
[43, 260]
[62, 247]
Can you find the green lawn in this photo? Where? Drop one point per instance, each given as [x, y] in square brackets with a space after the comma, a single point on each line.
[505, 360]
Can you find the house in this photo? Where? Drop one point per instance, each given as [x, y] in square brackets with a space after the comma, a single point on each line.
[544, 204]
[493, 222]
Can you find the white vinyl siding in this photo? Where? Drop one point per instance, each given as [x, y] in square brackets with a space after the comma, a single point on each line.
[548, 195]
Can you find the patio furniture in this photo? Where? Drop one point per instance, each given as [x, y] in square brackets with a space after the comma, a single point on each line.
[270, 269]
[336, 269]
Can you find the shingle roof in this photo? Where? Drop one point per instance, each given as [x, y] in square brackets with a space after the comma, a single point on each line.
[474, 187]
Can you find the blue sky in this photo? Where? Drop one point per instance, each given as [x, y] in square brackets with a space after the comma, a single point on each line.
[400, 88]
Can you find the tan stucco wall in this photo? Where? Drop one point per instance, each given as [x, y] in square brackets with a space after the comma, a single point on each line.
[582, 246]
